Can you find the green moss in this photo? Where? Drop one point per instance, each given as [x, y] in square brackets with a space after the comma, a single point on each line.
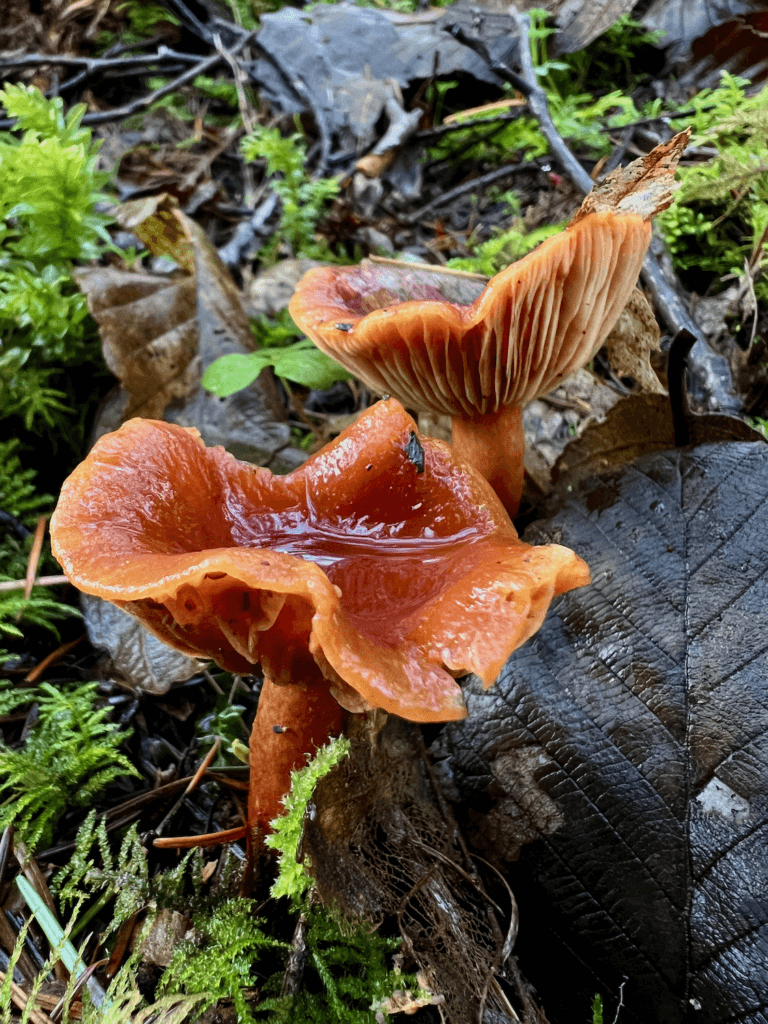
[48, 221]
[504, 248]
[222, 960]
[69, 757]
[293, 880]
[720, 214]
[304, 199]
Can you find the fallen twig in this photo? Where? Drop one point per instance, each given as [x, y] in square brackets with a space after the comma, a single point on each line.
[34, 557]
[389, 261]
[165, 61]
[472, 185]
[20, 999]
[143, 102]
[247, 231]
[192, 785]
[50, 659]
[39, 581]
[96, 65]
[528, 85]
[447, 127]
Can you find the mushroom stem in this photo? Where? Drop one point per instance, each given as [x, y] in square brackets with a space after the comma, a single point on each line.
[291, 722]
[494, 444]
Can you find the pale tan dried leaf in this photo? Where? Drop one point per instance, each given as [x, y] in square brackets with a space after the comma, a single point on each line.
[160, 334]
[646, 186]
[148, 328]
[153, 219]
[634, 336]
[635, 426]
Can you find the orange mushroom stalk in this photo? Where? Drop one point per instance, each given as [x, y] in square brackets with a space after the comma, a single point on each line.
[533, 325]
[371, 576]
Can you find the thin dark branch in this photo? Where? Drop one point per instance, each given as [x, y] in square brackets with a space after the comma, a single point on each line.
[528, 85]
[191, 20]
[96, 64]
[246, 232]
[143, 102]
[430, 134]
[483, 135]
[469, 186]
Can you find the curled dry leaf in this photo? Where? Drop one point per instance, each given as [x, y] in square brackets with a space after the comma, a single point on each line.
[159, 335]
[635, 426]
[638, 425]
[148, 331]
[687, 26]
[154, 220]
[137, 656]
[629, 345]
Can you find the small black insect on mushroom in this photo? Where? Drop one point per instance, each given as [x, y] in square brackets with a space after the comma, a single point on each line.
[414, 452]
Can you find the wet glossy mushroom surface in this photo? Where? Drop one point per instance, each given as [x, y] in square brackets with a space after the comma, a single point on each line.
[528, 329]
[391, 572]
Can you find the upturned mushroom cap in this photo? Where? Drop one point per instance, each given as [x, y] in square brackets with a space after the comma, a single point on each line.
[392, 574]
[533, 325]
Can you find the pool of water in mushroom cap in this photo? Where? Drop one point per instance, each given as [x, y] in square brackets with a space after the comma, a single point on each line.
[388, 562]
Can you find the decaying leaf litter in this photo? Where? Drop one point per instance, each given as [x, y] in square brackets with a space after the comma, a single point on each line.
[544, 771]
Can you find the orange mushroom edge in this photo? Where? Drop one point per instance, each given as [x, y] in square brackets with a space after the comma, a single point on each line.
[533, 324]
[372, 576]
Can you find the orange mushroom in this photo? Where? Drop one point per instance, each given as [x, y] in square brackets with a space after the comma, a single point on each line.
[533, 325]
[371, 576]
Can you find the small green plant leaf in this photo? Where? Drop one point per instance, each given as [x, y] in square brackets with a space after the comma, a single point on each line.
[308, 366]
[232, 373]
[301, 363]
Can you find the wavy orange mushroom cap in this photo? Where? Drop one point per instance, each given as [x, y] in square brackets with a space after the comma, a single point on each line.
[533, 325]
[371, 576]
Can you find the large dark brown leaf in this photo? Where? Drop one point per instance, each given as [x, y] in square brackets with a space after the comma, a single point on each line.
[630, 737]
[685, 21]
